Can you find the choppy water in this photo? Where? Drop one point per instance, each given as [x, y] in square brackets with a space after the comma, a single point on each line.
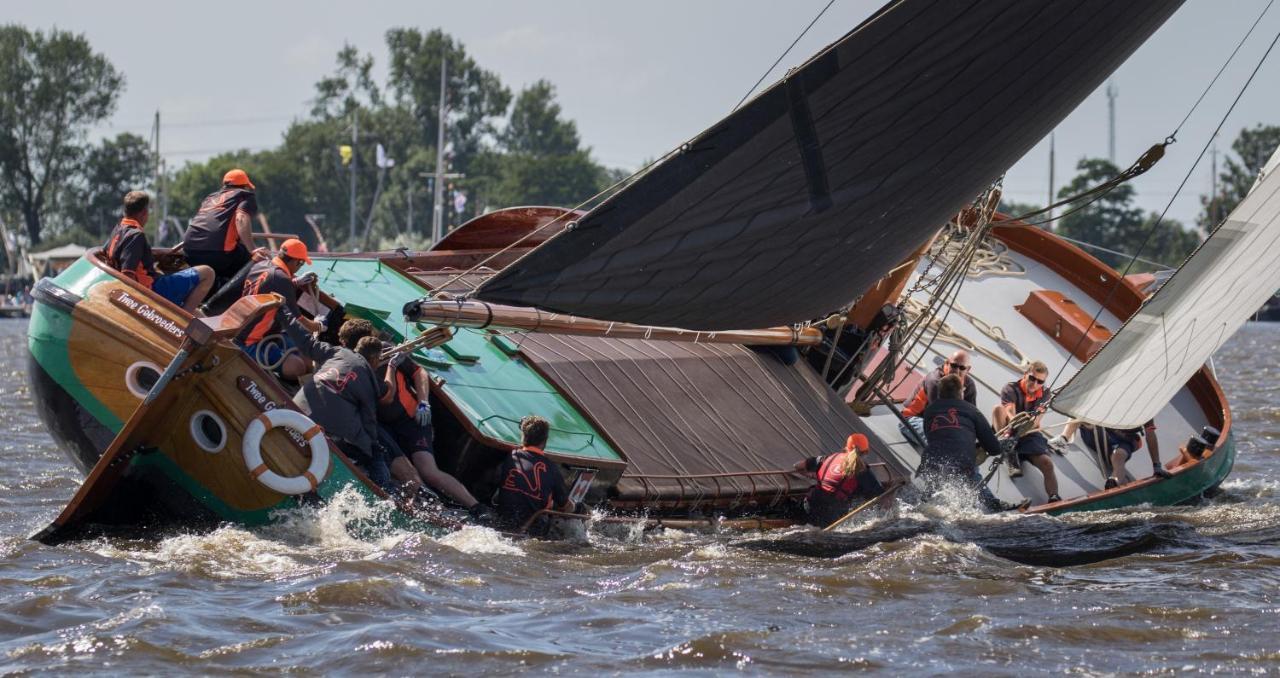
[1202, 590]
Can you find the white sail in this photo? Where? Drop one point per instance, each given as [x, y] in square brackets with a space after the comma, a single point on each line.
[1152, 356]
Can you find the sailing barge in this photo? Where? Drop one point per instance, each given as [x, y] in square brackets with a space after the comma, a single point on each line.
[828, 187]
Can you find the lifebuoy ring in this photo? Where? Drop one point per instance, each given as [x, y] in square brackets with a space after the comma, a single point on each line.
[310, 431]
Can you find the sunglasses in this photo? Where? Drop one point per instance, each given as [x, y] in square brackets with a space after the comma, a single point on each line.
[958, 367]
[1034, 379]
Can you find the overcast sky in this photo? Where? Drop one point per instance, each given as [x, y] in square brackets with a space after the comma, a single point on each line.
[639, 78]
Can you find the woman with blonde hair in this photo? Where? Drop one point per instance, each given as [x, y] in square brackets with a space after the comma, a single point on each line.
[842, 477]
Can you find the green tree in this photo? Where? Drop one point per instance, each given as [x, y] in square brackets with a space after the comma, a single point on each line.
[1114, 222]
[544, 162]
[53, 87]
[1014, 208]
[475, 96]
[91, 199]
[1253, 147]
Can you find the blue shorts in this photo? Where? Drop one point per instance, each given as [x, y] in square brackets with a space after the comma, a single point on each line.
[176, 287]
[1117, 441]
[271, 350]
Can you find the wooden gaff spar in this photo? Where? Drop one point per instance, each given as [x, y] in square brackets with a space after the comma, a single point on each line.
[481, 315]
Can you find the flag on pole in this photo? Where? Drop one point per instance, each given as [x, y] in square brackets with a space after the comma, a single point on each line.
[383, 161]
[345, 153]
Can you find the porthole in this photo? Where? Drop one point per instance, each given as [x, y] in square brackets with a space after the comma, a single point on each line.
[140, 377]
[208, 431]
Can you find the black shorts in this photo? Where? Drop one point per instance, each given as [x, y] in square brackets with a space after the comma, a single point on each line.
[410, 436]
[1032, 445]
[224, 264]
[1115, 441]
[1119, 442]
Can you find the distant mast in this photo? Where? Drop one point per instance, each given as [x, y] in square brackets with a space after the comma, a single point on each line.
[1048, 224]
[1112, 93]
[437, 204]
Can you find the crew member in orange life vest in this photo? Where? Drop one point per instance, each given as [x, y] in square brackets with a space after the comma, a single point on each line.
[842, 477]
[220, 235]
[128, 251]
[265, 340]
[529, 481]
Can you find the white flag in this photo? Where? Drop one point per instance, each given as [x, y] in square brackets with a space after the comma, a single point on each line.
[383, 161]
[459, 201]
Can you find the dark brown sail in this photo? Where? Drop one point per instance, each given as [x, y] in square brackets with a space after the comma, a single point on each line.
[809, 193]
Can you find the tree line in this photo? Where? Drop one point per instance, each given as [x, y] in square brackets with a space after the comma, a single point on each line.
[509, 148]
[1116, 223]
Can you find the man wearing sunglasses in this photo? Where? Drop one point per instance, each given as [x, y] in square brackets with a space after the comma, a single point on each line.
[1027, 395]
[927, 392]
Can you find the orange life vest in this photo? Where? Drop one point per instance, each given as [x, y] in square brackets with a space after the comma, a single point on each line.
[833, 480]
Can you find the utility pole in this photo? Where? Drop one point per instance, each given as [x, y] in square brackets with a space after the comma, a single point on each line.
[437, 210]
[1112, 93]
[355, 133]
[1213, 185]
[1049, 221]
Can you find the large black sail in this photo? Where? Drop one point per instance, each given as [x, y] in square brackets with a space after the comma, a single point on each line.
[797, 202]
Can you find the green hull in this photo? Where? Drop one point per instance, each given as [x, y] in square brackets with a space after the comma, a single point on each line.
[1187, 486]
[83, 426]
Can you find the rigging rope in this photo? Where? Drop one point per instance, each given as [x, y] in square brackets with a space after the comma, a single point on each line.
[1156, 224]
[784, 54]
[1224, 67]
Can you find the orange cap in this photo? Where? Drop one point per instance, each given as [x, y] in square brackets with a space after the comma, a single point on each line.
[858, 442]
[237, 177]
[296, 249]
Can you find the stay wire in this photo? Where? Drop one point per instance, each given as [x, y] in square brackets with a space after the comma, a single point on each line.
[1145, 162]
[1224, 67]
[1156, 224]
[785, 53]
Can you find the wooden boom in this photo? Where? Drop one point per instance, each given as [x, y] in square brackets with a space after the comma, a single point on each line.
[478, 314]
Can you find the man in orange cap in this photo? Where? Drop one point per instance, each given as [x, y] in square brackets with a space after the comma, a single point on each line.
[220, 235]
[265, 340]
[842, 477]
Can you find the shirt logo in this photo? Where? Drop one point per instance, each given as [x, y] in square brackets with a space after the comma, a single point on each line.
[534, 486]
[949, 420]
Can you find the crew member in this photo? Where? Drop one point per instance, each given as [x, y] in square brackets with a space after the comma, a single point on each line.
[265, 340]
[954, 425]
[1119, 445]
[404, 417]
[927, 392]
[220, 235]
[129, 252]
[842, 477]
[530, 481]
[342, 396]
[1028, 395]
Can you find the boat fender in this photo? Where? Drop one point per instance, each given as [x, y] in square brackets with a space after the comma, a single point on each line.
[310, 432]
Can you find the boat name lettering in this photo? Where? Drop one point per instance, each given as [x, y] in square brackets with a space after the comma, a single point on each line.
[254, 393]
[145, 311]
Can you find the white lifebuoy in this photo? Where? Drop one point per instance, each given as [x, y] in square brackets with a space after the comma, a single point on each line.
[310, 431]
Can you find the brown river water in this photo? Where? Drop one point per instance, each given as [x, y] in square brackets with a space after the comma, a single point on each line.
[921, 591]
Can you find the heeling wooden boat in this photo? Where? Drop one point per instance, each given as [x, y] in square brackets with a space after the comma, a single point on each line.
[1097, 280]
[97, 343]
[1049, 332]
